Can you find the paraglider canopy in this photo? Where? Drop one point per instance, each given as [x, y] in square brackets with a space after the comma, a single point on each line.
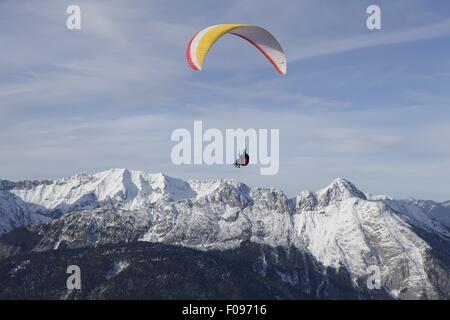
[202, 42]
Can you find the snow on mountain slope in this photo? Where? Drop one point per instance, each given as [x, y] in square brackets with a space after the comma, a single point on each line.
[340, 226]
[125, 188]
[224, 218]
[437, 213]
[14, 212]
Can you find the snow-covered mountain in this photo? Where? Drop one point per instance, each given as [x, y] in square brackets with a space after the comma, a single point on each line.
[339, 226]
[14, 212]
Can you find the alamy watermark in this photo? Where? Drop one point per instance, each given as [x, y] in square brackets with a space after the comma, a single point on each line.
[212, 146]
[373, 22]
[74, 280]
[73, 21]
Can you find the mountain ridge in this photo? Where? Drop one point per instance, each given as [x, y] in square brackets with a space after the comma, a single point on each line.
[339, 226]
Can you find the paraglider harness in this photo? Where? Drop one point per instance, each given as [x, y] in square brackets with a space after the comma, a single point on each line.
[243, 159]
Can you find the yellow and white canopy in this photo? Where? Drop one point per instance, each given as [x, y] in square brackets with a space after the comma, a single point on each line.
[266, 43]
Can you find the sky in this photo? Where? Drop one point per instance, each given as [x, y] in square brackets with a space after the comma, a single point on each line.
[371, 106]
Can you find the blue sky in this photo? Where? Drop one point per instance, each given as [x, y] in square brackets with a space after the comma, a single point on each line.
[369, 106]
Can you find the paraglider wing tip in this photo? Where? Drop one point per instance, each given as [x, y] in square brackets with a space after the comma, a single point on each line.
[189, 57]
[194, 67]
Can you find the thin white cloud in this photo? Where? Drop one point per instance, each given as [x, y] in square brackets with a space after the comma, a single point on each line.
[378, 38]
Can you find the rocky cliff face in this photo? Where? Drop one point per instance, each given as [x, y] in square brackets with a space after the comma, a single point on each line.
[337, 233]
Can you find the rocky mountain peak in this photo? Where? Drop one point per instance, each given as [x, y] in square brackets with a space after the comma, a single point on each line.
[340, 189]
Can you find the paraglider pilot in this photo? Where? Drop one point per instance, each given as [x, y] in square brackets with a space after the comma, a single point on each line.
[243, 160]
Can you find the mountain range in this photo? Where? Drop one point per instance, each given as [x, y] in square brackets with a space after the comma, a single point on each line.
[140, 235]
